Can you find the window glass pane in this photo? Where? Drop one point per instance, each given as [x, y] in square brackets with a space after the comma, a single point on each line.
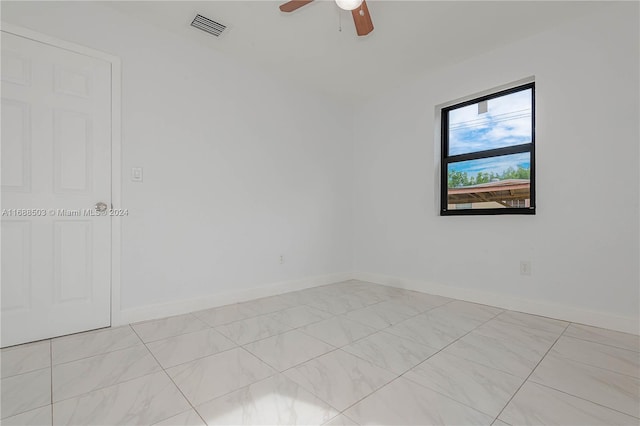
[494, 123]
[489, 183]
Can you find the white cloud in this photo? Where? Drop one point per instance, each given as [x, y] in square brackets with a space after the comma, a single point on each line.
[507, 122]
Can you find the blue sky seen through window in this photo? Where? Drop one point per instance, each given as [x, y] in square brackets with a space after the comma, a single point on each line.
[507, 122]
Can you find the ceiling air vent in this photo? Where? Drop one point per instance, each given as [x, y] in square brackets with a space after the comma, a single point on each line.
[208, 25]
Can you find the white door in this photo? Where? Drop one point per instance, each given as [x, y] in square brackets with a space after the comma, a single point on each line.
[56, 165]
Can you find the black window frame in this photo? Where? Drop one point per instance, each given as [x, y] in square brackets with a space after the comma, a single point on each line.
[446, 159]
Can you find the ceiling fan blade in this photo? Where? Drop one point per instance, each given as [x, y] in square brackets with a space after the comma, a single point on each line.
[363, 22]
[294, 5]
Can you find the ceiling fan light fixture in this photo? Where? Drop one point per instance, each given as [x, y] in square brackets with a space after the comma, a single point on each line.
[348, 4]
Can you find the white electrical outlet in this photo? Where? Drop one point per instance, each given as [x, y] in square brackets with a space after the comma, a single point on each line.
[525, 267]
[281, 259]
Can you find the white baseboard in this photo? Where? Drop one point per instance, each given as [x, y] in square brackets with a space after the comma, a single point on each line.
[162, 310]
[536, 307]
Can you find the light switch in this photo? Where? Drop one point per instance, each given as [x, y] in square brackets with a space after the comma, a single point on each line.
[136, 174]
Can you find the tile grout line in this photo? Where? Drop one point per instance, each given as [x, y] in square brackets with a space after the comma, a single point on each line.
[172, 381]
[291, 368]
[238, 346]
[635, 335]
[190, 314]
[531, 373]
[142, 342]
[342, 414]
[179, 335]
[525, 326]
[619, 348]
[454, 341]
[198, 358]
[239, 319]
[445, 347]
[186, 314]
[111, 385]
[601, 343]
[106, 387]
[98, 354]
[584, 399]
[26, 372]
[76, 334]
[345, 312]
[261, 338]
[385, 368]
[636, 378]
[589, 365]
[234, 390]
[313, 393]
[477, 327]
[333, 348]
[300, 329]
[19, 345]
[342, 315]
[360, 339]
[402, 375]
[4, 419]
[367, 361]
[338, 347]
[338, 415]
[51, 364]
[273, 375]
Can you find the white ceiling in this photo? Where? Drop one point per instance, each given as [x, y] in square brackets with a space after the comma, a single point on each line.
[411, 38]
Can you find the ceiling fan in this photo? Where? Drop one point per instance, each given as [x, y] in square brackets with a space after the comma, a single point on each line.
[358, 8]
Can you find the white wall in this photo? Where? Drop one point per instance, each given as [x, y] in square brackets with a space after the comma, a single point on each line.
[583, 241]
[239, 168]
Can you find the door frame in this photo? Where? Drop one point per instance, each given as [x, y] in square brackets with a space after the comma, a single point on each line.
[116, 147]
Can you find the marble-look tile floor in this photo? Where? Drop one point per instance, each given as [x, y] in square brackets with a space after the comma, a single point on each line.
[351, 353]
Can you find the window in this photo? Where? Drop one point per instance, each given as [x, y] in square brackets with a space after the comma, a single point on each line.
[488, 154]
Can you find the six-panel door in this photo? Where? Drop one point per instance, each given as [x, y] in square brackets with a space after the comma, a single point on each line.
[56, 165]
